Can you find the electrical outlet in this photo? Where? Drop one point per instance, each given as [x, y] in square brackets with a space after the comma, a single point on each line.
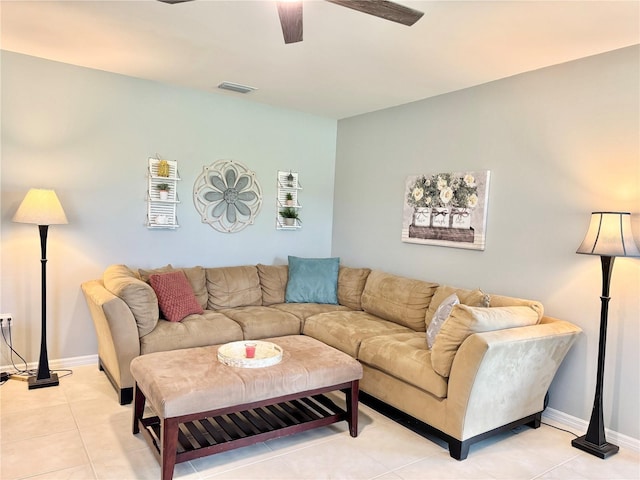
[6, 317]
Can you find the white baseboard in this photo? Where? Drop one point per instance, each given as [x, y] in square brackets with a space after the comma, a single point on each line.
[57, 364]
[579, 427]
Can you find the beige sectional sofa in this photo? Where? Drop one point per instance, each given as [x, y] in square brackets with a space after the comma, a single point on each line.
[479, 377]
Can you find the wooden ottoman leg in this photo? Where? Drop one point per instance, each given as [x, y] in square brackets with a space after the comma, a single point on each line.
[138, 409]
[352, 407]
[169, 440]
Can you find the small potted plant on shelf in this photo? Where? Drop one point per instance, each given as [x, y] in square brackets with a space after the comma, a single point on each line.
[163, 190]
[289, 200]
[290, 216]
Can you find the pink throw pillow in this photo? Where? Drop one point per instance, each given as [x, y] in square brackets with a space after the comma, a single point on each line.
[175, 295]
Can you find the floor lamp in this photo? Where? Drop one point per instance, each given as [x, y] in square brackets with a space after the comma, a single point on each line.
[609, 236]
[42, 208]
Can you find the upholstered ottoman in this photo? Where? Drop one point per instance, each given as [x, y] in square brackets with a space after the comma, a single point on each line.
[203, 406]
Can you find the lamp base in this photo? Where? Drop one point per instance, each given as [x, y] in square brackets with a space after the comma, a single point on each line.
[602, 451]
[52, 381]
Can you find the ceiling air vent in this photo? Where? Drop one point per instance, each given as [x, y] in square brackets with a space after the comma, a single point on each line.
[236, 87]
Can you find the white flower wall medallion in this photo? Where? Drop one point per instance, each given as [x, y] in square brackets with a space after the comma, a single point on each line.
[227, 196]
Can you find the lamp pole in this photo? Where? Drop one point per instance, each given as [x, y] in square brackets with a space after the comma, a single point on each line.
[44, 378]
[595, 442]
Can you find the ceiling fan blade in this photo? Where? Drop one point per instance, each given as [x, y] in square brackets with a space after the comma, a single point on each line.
[173, 1]
[383, 9]
[291, 20]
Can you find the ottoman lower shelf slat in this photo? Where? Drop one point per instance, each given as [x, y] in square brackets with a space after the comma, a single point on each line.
[273, 421]
[214, 431]
[184, 444]
[229, 427]
[280, 414]
[258, 422]
[305, 410]
[196, 433]
[324, 401]
[297, 416]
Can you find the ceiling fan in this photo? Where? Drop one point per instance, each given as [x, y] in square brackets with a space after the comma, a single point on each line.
[290, 13]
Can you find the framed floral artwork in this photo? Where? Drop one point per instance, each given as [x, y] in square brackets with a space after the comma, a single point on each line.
[446, 209]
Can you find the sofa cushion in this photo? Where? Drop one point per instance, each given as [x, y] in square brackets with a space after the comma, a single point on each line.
[465, 321]
[198, 280]
[210, 328]
[442, 313]
[305, 310]
[504, 301]
[345, 330]
[195, 275]
[312, 280]
[145, 273]
[231, 287]
[175, 295]
[138, 295]
[398, 299]
[273, 280]
[473, 298]
[404, 356]
[351, 282]
[262, 322]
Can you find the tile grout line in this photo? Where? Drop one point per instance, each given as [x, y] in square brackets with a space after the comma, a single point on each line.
[556, 466]
[84, 444]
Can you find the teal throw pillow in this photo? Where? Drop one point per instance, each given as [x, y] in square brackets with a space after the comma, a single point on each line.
[312, 280]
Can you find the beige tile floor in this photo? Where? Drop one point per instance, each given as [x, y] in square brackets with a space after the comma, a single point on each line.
[78, 431]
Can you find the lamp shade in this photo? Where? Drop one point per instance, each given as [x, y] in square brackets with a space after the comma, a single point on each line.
[40, 207]
[610, 235]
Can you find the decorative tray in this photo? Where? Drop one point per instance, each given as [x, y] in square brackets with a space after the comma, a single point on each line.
[234, 354]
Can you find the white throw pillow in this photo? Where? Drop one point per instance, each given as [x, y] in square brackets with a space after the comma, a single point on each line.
[443, 311]
[464, 321]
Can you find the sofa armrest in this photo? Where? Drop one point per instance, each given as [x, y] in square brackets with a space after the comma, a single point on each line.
[117, 332]
[503, 376]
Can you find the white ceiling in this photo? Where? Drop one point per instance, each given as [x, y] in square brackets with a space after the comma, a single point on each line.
[349, 62]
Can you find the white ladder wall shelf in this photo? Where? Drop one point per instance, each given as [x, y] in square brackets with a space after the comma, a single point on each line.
[162, 213]
[288, 182]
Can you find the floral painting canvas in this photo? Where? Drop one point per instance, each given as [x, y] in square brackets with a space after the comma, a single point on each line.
[447, 209]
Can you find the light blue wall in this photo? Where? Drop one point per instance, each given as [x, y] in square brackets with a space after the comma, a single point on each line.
[88, 135]
[560, 143]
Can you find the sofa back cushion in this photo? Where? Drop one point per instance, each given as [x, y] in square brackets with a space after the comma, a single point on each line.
[504, 301]
[351, 282]
[145, 273]
[465, 321]
[195, 275]
[138, 295]
[231, 287]
[473, 298]
[398, 299]
[273, 280]
[198, 281]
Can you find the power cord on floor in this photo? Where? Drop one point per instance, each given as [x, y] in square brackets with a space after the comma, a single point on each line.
[558, 428]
